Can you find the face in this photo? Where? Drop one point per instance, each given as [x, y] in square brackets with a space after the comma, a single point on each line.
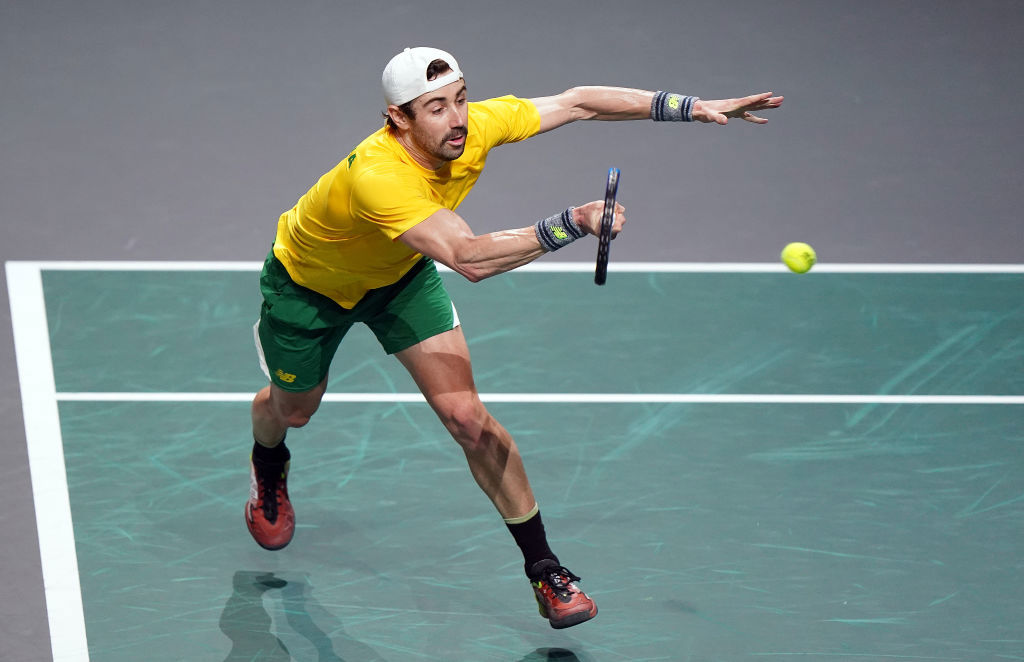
[439, 127]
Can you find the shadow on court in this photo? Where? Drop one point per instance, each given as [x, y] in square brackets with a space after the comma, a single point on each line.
[248, 624]
[551, 655]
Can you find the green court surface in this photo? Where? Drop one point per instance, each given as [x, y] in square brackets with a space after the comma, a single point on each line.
[782, 467]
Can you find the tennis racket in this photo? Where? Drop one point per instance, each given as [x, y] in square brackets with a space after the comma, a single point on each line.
[604, 240]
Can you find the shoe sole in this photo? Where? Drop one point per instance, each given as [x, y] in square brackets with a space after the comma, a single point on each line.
[248, 525]
[573, 619]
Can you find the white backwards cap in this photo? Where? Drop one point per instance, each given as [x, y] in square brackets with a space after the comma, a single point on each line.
[405, 77]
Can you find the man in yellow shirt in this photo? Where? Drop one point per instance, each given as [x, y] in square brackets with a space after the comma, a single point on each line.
[360, 247]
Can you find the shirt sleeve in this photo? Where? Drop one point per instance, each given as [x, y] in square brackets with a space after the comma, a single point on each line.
[507, 119]
[393, 201]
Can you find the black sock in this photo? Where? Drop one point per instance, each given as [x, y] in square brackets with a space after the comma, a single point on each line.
[532, 540]
[277, 455]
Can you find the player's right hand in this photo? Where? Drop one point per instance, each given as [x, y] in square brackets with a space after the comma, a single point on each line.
[588, 217]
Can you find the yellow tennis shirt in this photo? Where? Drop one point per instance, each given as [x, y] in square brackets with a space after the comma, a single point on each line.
[340, 237]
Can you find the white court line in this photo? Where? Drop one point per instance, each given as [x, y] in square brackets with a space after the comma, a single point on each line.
[581, 398]
[45, 446]
[57, 553]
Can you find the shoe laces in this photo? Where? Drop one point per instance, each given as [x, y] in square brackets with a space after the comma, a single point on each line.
[558, 578]
[268, 478]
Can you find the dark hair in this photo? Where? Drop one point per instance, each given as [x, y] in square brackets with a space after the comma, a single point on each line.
[434, 69]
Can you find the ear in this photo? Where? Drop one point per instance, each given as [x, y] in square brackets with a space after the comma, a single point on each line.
[400, 119]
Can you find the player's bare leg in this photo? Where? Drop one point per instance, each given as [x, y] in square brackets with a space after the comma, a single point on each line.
[268, 512]
[441, 368]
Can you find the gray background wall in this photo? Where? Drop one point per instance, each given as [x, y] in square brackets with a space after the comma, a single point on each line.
[180, 130]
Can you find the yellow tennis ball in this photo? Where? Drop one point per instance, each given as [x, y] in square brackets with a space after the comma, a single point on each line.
[799, 257]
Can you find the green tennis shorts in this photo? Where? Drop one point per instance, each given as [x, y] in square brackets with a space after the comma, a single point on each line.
[299, 330]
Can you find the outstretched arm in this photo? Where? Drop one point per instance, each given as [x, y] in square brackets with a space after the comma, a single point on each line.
[619, 103]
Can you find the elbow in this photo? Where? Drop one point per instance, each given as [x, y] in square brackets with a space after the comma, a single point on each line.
[576, 104]
[472, 273]
[471, 269]
[471, 260]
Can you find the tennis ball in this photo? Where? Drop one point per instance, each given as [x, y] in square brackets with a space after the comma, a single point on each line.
[799, 257]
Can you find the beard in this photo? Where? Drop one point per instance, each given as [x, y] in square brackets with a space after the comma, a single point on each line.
[452, 152]
[441, 149]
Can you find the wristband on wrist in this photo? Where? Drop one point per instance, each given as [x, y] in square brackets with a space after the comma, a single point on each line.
[558, 230]
[668, 107]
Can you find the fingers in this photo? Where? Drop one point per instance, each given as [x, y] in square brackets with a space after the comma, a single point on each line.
[595, 210]
[590, 219]
[767, 102]
[619, 220]
[771, 102]
[755, 98]
[742, 107]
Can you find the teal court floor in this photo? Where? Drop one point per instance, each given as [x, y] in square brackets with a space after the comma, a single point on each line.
[741, 463]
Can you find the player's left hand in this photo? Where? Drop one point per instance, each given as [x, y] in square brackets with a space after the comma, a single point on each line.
[720, 110]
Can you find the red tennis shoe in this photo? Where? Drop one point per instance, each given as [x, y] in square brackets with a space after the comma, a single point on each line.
[558, 598]
[268, 513]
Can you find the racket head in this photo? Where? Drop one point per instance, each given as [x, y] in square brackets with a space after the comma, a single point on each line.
[604, 239]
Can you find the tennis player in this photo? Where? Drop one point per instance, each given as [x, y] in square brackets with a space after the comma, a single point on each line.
[361, 246]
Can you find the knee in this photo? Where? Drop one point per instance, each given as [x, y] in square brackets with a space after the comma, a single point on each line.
[296, 414]
[292, 412]
[296, 418]
[467, 420]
